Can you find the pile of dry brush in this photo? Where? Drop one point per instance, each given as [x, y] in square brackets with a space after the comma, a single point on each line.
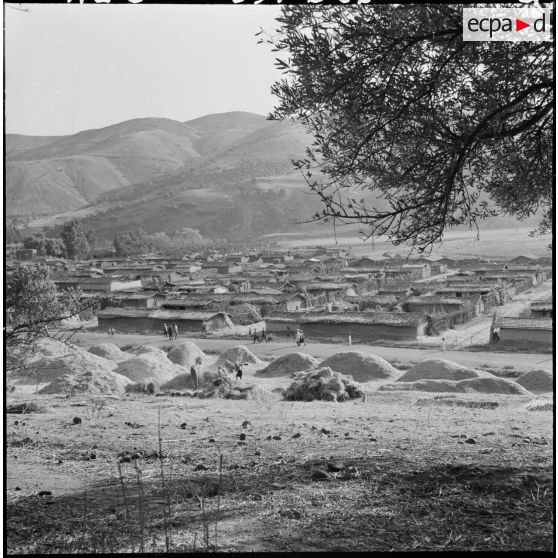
[322, 385]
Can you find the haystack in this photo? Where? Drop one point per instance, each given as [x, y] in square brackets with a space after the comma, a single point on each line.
[492, 385]
[537, 381]
[434, 386]
[322, 385]
[222, 385]
[185, 354]
[110, 352]
[145, 350]
[48, 348]
[97, 382]
[472, 385]
[288, 365]
[238, 354]
[363, 367]
[151, 367]
[438, 369]
[146, 388]
[181, 382]
[77, 362]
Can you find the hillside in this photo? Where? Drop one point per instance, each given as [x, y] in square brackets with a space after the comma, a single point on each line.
[228, 175]
[225, 174]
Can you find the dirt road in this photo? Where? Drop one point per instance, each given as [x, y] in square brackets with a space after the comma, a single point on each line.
[518, 361]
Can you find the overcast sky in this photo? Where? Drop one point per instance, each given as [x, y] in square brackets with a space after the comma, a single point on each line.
[72, 67]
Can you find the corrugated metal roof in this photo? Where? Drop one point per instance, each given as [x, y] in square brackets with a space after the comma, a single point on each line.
[523, 323]
[395, 319]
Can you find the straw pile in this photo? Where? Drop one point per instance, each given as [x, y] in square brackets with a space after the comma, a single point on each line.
[185, 354]
[540, 405]
[472, 385]
[51, 368]
[363, 367]
[322, 385]
[537, 381]
[109, 351]
[100, 383]
[238, 354]
[438, 369]
[151, 367]
[221, 385]
[288, 365]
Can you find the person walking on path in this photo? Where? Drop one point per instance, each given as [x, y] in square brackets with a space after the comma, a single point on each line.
[238, 369]
[264, 335]
[301, 338]
[256, 336]
[175, 329]
[166, 330]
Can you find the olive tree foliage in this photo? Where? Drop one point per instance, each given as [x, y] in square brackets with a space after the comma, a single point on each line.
[34, 309]
[416, 131]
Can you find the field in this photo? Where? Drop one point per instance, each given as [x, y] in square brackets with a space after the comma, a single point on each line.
[395, 471]
[502, 243]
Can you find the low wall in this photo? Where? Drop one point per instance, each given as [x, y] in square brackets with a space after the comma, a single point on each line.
[524, 336]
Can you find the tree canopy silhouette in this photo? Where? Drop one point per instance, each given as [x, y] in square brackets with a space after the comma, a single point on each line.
[416, 131]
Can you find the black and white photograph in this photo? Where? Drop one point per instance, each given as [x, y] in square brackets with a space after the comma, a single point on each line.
[278, 277]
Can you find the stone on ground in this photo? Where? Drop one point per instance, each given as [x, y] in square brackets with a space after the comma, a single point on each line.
[363, 367]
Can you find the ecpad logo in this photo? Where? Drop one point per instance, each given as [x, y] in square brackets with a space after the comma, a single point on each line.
[531, 23]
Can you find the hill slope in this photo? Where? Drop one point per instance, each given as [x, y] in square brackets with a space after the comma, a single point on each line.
[228, 175]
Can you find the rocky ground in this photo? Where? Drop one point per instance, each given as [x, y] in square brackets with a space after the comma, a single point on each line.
[391, 471]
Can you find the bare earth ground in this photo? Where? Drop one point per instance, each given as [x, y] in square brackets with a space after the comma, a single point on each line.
[413, 471]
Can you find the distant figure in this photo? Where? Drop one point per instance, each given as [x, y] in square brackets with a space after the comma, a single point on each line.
[495, 335]
[264, 335]
[175, 329]
[238, 370]
[256, 336]
[112, 332]
[302, 340]
[250, 332]
[297, 337]
[194, 374]
[350, 340]
[443, 343]
[166, 330]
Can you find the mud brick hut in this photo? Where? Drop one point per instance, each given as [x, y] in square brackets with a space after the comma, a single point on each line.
[541, 309]
[363, 327]
[525, 330]
[146, 320]
[440, 304]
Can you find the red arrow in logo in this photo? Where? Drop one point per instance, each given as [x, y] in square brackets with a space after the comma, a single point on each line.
[519, 25]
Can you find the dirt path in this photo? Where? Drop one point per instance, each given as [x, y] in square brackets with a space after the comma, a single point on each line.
[323, 350]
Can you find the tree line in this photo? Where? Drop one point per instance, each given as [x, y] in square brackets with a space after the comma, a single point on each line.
[76, 241]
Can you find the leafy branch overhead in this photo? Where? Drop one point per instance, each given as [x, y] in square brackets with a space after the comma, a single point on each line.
[416, 131]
